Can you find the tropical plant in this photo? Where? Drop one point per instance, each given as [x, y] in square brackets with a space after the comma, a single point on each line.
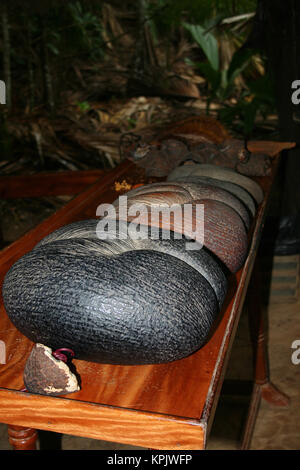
[257, 99]
[221, 79]
[242, 103]
[89, 28]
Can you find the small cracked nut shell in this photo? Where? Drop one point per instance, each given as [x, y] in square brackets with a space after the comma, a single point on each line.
[46, 375]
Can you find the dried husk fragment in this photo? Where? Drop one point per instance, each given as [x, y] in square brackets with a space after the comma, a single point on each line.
[46, 375]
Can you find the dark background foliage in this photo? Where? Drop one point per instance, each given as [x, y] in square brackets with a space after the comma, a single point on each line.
[65, 62]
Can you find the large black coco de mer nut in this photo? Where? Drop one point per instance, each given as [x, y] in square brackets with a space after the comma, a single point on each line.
[108, 302]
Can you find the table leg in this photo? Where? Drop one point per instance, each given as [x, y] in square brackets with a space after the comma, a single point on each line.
[263, 387]
[21, 438]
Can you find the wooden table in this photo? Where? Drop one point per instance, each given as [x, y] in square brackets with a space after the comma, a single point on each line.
[166, 406]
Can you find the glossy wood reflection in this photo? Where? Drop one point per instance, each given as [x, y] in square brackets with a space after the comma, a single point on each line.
[166, 406]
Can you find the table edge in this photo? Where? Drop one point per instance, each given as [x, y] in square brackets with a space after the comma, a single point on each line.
[105, 422]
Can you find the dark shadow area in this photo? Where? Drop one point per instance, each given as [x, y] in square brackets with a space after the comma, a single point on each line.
[231, 414]
[50, 440]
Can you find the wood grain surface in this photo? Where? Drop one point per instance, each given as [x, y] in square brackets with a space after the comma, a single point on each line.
[48, 184]
[101, 422]
[270, 148]
[165, 406]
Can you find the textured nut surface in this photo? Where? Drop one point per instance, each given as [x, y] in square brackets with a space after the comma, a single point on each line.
[44, 374]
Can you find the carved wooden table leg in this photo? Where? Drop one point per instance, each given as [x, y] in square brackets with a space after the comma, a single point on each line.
[263, 387]
[22, 438]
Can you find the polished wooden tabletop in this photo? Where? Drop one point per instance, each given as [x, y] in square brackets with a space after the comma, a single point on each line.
[165, 406]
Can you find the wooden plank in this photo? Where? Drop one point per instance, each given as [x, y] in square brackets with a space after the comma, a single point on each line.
[64, 183]
[269, 147]
[101, 422]
[81, 207]
[73, 182]
[186, 390]
[239, 285]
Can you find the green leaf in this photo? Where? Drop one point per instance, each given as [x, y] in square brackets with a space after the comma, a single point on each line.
[83, 105]
[239, 62]
[207, 42]
[211, 75]
[263, 89]
[53, 49]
